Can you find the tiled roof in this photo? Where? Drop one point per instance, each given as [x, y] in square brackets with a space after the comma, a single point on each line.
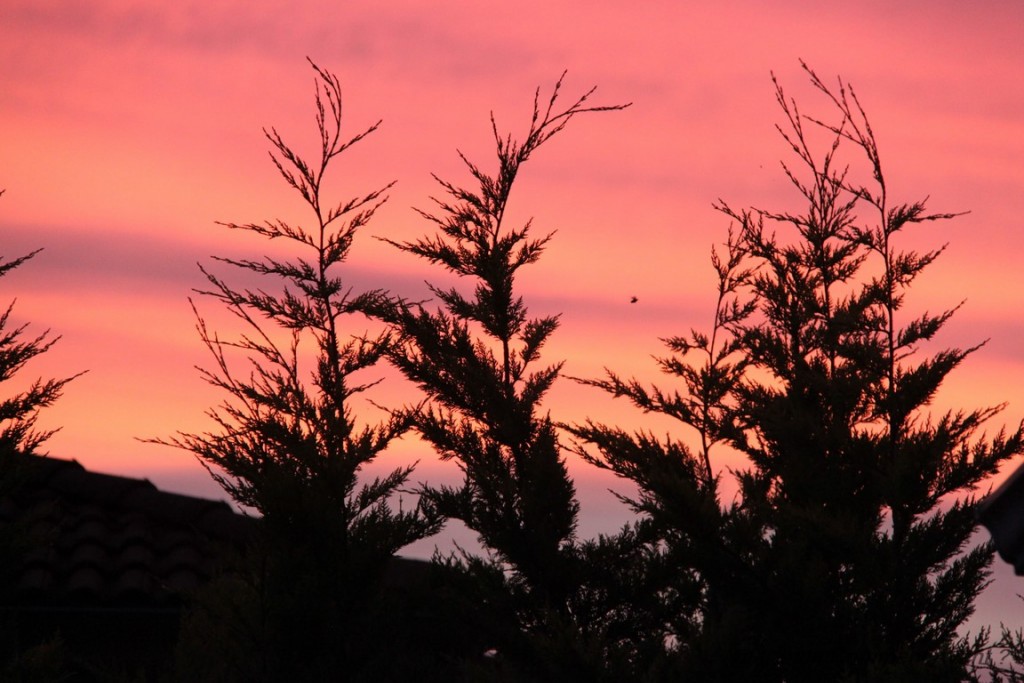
[104, 541]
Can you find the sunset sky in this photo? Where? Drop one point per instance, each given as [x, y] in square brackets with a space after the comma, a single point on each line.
[127, 129]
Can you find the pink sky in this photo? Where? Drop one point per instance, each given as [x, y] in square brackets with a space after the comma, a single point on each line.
[126, 131]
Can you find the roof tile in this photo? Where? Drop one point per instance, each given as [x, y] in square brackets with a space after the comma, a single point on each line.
[101, 540]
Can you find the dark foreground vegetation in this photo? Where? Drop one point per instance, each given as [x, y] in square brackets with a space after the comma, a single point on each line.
[847, 554]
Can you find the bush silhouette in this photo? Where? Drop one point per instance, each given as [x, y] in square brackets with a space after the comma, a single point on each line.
[847, 553]
[287, 443]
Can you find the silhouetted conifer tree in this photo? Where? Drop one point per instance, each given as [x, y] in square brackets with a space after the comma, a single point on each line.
[21, 659]
[19, 412]
[287, 443]
[1003, 662]
[847, 552]
[476, 357]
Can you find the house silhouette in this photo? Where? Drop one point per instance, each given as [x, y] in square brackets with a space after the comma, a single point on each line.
[109, 564]
[106, 563]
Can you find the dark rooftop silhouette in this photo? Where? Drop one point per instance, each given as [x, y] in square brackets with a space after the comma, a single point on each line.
[101, 540]
[109, 563]
[106, 563]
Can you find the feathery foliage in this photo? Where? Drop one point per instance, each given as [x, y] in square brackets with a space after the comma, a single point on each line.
[287, 442]
[22, 655]
[846, 554]
[19, 413]
[477, 357]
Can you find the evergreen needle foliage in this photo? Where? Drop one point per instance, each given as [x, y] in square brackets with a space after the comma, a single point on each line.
[19, 412]
[287, 442]
[847, 552]
[477, 358]
[21, 656]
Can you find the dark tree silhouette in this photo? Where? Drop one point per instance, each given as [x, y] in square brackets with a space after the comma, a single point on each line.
[1004, 660]
[19, 412]
[287, 443]
[19, 437]
[476, 358]
[847, 552]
